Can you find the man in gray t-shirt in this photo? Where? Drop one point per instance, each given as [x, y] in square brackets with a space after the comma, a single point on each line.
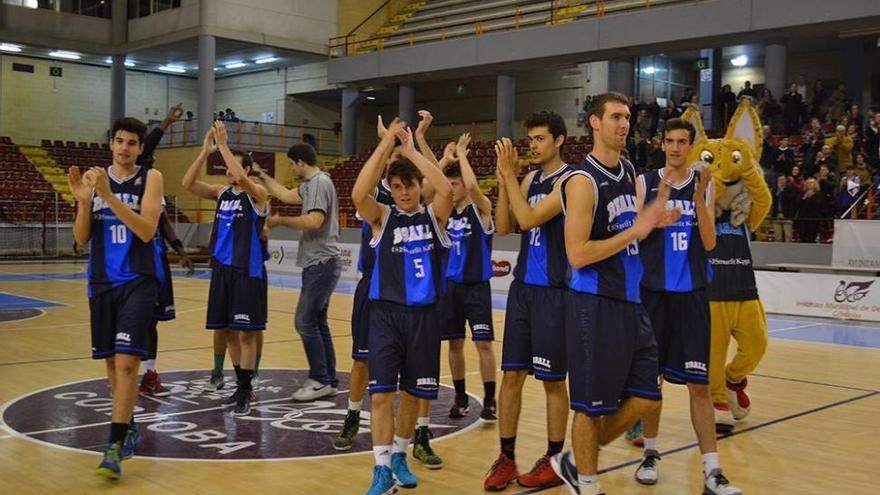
[318, 255]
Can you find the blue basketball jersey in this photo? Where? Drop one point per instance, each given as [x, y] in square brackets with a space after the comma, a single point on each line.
[235, 240]
[159, 250]
[470, 248]
[674, 257]
[366, 258]
[409, 267]
[116, 254]
[615, 210]
[541, 260]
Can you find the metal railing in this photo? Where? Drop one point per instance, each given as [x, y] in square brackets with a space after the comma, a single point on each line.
[555, 12]
[257, 136]
[865, 200]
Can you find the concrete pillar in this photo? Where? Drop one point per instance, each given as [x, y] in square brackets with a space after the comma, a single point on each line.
[119, 32]
[350, 99]
[505, 106]
[775, 58]
[596, 78]
[709, 86]
[406, 104]
[621, 76]
[207, 60]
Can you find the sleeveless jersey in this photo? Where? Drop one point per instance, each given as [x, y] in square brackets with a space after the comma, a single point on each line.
[541, 260]
[615, 210]
[116, 254]
[235, 240]
[366, 258]
[470, 250]
[408, 258]
[674, 256]
[731, 261]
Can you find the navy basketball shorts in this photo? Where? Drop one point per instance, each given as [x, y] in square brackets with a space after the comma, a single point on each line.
[121, 318]
[681, 326]
[165, 302]
[360, 320]
[463, 304]
[611, 353]
[534, 331]
[404, 349]
[236, 300]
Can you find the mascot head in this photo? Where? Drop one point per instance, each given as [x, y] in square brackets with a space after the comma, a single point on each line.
[727, 158]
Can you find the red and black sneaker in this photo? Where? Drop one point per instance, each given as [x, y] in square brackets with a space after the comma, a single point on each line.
[502, 473]
[541, 475]
[152, 386]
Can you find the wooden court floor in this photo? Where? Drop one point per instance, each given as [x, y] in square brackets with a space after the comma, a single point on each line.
[815, 406]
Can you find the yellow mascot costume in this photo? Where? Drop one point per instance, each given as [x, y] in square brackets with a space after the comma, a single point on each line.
[743, 200]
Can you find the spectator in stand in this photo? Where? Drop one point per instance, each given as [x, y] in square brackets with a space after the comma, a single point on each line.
[727, 100]
[638, 150]
[810, 147]
[809, 211]
[653, 114]
[228, 115]
[748, 90]
[767, 152]
[670, 112]
[783, 158]
[841, 146]
[643, 123]
[825, 157]
[853, 132]
[828, 187]
[855, 117]
[656, 156]
[816, 128]
[783, 209]
[836, 103]
[872, 139]
[189, 115]
[796, 180]
[635, 110]
[862, 169]
[220, 115]
[848, 190]
[792, 109]
[687, 98]
[769, 110]
[816, 100]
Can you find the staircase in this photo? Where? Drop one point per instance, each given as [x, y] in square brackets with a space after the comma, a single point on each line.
[54, 174]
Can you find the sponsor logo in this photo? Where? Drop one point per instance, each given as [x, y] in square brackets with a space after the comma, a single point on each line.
[540, 362]
[123, 337]
[428, 382]
[481, 328]
[852, 292]
[411, 233]
[138, 182]
[242, 317]
[500, 268]
[695, 365]
[133, 201]
[625, 203]
[597, 403]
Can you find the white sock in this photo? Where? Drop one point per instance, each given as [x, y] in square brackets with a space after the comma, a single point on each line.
[710, 462]
[423, 421]
[149, 364]
[382, 453]
[400, 445]
[355, 405]
[587, 479]
[651, 444]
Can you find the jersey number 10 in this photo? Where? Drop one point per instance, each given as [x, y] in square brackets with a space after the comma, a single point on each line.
[118, 234]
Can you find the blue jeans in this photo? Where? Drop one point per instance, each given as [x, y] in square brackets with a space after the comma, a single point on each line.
[318, 283]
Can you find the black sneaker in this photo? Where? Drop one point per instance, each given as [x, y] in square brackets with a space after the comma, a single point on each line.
[563, 465]
[459, 408]
[489, 413]
[243, 406]
[232, 399]
[350, 428]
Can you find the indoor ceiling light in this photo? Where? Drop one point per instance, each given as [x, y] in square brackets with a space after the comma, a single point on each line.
[265, 60]
[235, 65]
[172, 68]
[9, 47]
[65, 54]
[739, 61]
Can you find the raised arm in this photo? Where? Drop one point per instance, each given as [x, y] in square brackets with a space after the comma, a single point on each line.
[704, 204]
[370, 175]
[82, 192]
[762, 200]
[469, 178]
[190, 180]
[239, 174]
[442, 197]
[421, 139]
[143, 224]
[285, 195]
[527, 216]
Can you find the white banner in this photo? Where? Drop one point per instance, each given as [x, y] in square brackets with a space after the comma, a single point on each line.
[856, 244]
[283, 259]
[816, 294]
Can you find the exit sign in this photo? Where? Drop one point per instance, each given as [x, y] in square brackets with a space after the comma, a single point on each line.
[55, 71]
[701, 63]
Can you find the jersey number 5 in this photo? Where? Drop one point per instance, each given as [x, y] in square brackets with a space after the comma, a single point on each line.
[420, 267]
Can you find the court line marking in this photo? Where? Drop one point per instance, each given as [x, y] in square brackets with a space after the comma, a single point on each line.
[42, 312]
[12, 433]
[726, 436]
[785, 329]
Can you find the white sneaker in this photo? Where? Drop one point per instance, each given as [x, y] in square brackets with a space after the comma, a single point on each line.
[312, 390]
[717, 484]
[647, 473]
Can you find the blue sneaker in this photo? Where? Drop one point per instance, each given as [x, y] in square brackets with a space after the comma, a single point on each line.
[563, 466]
[109, 467]
[383, 482]
[132, 440]
[405, 478]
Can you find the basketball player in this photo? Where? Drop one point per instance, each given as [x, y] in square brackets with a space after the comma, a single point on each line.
[673, 292]
[407, 282]
[468, 296]
[237, 298]
[533, 328]
[118, 210]
[612, 355]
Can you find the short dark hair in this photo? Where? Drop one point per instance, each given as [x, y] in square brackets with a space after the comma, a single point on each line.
[132, 125]
[597, 103]
[549, 119]
[304, 152]
[452, 171]
[228, 110]
[406, 171]
[247, 161]
[677, 124]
